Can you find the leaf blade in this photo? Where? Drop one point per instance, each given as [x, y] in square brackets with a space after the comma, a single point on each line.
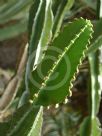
[36, 128]
[46, 97]
[21, 122]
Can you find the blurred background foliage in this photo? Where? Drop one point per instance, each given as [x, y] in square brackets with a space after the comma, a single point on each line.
[66, 120]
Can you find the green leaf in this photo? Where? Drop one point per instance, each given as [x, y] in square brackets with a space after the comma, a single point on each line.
[91, 122]
[90, 127]
[97, 37]
[6, 6]
[12, 9]
[95, 96]
[97, 29]
[46, 32]
[61, 10]
[96, 127]
[40, 24]
[36, 128]
[95, 86]
[34, 38]
[11, 31]
[55, 73]
[85, 128]
[21, 122]
[90, 3]
[32, 14]
[24, 98]
[41, 33]
[48, 22]
[55, 5]
[37, 26]
[95, 45]
[99, 8]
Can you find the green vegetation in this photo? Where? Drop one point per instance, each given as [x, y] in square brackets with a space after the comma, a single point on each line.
[58, 42]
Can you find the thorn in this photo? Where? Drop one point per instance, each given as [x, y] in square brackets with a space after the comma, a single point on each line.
[91, 36]
[48, 107]
[80, 61]
[84, 54]
[91, 29]
[66, 101]
[59, 56]
[70, 93]
[74, 77]
[51, 70]
[77, 35]
[56, 106]
[82, 30]
[43, 84]
[72, 41]
[36, 95]
[31, 101]
[45, 78]
[66, 48]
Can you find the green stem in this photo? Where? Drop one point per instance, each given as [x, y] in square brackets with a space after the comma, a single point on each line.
[95, 88]
[94, 73]
[98, 9]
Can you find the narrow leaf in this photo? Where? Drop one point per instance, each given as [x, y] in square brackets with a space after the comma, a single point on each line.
[55, 5]
[95, 45]
[36, 128]
[95, 86]
[36, 28]
[90, 127]
[12, 9]
[11, 31]
[63, 6]
[40, 37]
[21, 122]
[85, 126]
[97, 29]
[32, 14]
[46, 32]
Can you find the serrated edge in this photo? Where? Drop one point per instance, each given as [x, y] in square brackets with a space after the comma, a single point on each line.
[81, 59]
[61, 55]
[88, 23]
